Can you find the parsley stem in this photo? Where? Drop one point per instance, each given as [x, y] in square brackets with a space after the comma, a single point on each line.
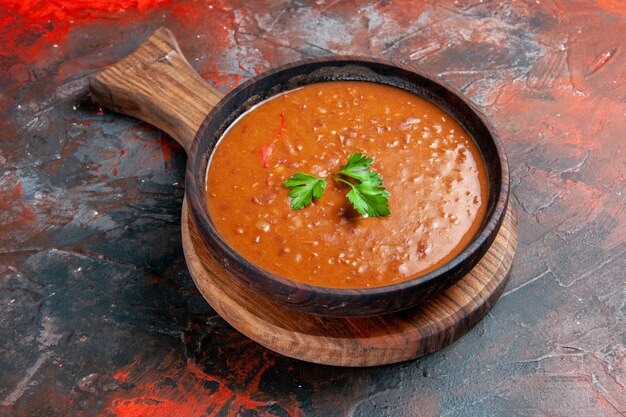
[342, 180]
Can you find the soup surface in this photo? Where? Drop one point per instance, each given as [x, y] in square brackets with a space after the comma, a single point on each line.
[430, 165]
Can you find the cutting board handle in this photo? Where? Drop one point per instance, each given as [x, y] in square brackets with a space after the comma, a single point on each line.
[156, 84]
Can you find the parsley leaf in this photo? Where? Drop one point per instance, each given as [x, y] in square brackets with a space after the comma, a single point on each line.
[368, 197]
[367, 194]
[357, 168]
[303, 188]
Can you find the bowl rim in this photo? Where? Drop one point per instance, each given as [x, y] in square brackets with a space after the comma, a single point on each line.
[199, 211]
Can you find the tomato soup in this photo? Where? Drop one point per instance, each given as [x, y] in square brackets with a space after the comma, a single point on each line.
[430, 165]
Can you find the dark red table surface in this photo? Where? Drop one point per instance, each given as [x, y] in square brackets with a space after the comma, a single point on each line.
[98, 313]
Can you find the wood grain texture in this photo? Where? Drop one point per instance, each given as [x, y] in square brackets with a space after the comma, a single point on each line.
[156, 84]
[366, 341]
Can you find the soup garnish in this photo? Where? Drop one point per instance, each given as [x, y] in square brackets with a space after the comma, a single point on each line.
[367, 195]
[303, 188]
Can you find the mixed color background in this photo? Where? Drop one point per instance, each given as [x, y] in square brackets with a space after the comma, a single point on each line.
[98, 314]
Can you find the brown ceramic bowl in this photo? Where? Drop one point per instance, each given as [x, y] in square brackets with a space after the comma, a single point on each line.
[332, 301]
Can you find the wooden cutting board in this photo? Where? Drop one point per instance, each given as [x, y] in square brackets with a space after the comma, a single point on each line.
[363, 341]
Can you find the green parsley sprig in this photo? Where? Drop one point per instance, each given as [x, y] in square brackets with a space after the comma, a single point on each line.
[303, 188]
[367, 194]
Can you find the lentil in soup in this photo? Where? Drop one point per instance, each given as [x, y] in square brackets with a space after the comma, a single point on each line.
[429, 163]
